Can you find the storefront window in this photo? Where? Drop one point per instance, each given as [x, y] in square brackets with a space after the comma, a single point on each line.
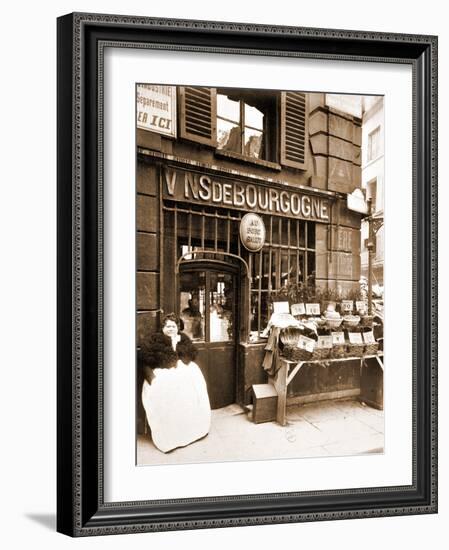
[260, 311]
[286, 262]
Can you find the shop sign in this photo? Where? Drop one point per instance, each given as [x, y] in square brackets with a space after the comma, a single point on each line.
[338, 338]
[252, 232]
[181, 185]
[156, 109]
[355, 337]
[313, 309]
[347, 306]
[280, 307]
[306, 343]
[356, 202]
[324, 342]
[368, 337]
[297, 309]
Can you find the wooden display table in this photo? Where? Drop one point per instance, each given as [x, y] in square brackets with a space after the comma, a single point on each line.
[286, 370]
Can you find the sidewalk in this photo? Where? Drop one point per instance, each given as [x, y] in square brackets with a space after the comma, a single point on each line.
[327, 428]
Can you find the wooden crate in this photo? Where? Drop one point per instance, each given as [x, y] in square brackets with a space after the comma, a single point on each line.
[372, 384]
[265, 399]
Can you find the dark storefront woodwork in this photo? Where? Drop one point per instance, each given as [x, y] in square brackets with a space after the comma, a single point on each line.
[203, 251]
[287, 257]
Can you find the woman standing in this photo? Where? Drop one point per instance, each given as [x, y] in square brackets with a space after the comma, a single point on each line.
[174, 392]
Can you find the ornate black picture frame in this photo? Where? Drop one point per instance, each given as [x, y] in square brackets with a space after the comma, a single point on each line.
[81, 509]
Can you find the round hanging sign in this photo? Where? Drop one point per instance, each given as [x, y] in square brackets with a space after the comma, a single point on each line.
[252, 232]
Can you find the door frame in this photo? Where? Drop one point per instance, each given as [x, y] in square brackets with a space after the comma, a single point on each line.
[214, 265]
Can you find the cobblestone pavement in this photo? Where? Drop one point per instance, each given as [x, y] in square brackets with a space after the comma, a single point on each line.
[327, 428]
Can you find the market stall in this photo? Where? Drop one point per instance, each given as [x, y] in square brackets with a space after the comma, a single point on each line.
[301, 334]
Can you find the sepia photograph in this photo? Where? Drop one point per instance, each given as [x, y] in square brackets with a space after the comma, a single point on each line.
[228, 285]
[259, 274]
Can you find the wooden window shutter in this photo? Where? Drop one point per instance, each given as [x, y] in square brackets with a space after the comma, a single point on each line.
[198, 114]
[294, 129]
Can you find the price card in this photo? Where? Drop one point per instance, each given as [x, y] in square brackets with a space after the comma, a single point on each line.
[324, 342]
[297, 309]
[281, 307]
[347, 306]
[313, 309]
[306, 343]
[355, 337]
[362, 307]
[369, 337]
[338, 338]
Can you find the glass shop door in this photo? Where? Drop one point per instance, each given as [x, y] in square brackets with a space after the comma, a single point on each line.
[208, 301]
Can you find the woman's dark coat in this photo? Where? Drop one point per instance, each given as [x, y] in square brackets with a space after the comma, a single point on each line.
[158, 352]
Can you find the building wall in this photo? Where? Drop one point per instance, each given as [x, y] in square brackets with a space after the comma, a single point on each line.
[336, 139]
[147, 249]
[333, 166]
[373, 170]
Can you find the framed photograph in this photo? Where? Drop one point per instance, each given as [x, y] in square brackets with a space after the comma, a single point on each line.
[212, 177]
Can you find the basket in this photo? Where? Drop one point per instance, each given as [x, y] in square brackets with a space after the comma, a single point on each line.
[338, 351]
[289, 336]
[351, 321]
[371, 349]
[334, 323]
[293, 353]
[319, 321]
[355, 350]
[321, 353]
[366, 320]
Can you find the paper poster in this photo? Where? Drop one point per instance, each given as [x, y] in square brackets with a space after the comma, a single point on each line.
[355, 337]
[338, 338]
[298, 309]
[156, 108]
[313, 309]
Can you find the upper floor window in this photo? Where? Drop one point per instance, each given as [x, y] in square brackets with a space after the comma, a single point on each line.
[247, 124]
[241, 127]
[250, 125]
[374, 144]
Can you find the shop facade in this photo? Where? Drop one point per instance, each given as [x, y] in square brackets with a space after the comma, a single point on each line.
[216, 155]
